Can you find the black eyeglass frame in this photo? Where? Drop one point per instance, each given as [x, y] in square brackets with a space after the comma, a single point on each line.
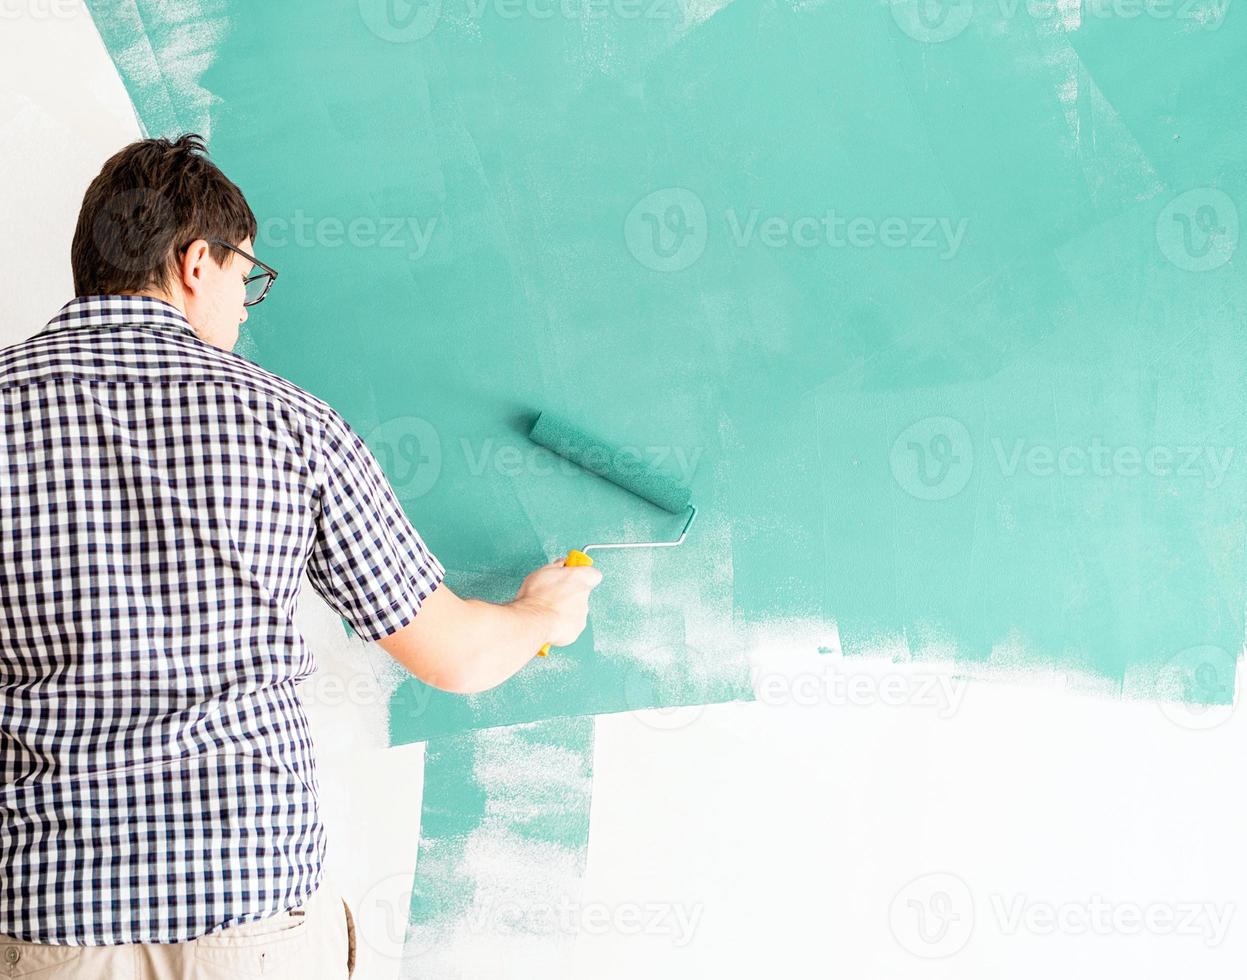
[269, 272]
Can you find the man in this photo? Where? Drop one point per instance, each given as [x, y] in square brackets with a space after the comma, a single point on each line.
[160, 499]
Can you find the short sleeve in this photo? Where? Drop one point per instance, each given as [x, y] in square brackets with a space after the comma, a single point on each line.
[367, 561]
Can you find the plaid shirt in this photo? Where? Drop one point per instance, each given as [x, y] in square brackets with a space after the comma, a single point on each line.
[159, 501]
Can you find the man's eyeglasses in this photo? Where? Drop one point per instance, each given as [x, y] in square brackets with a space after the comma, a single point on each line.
[258, 283]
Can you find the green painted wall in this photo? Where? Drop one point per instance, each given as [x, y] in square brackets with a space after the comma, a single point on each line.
[936, 306]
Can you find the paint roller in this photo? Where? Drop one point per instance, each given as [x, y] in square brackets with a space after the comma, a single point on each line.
[561, 436]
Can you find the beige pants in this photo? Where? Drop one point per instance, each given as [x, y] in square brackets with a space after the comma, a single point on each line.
[316, 941]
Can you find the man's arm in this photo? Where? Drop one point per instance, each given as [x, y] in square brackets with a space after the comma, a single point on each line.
[372, 567]
[466, 646]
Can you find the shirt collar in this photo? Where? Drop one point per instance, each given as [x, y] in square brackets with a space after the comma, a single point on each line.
[130, 311]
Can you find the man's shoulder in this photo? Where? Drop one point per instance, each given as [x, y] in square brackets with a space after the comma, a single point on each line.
[249, 372]
[165, 359]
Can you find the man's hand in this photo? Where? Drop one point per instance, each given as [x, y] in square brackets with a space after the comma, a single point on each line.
[466, 646]
[563, 593]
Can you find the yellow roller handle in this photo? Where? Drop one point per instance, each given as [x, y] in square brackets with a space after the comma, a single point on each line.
[574, 557]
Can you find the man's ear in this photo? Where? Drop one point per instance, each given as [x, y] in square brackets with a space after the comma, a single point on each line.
[193, 266]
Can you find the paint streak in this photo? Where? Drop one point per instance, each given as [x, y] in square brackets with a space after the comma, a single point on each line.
[162, 51]
[503, 837]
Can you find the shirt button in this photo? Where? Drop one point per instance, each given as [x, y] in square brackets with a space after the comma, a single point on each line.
[12, 954]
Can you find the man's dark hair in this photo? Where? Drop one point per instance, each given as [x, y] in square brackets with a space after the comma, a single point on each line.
[150, 201]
